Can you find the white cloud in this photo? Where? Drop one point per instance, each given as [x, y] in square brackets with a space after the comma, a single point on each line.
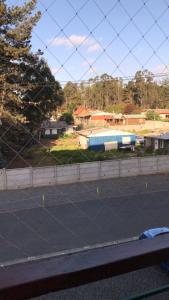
[75, 41]
[93, 48]
[161, 69]
[59, 42]
[71, 41]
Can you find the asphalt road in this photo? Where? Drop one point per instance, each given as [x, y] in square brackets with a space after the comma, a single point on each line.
[45, 220]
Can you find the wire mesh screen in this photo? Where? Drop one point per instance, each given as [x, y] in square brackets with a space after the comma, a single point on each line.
[109, 56]
[81, 84]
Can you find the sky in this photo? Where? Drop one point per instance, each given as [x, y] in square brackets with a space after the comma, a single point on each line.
[82, 39]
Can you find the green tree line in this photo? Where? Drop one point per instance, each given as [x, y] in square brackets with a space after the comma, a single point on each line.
[112, 94]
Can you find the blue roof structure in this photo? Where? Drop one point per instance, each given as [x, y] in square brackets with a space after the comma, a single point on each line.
[98, 137]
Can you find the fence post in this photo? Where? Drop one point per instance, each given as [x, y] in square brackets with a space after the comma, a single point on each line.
[31, 176]
[4, 179]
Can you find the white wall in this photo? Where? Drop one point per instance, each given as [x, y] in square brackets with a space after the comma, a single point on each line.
[163, 116]
[32, 177]
[83, 141]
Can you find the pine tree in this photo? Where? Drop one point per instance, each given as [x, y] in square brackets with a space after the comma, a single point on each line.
[42, 93]
[28, 90]
[16, 24]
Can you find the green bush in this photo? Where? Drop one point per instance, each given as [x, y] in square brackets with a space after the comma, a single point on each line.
[149, 150]
[163, 151]
[152, 115]
[67, 117]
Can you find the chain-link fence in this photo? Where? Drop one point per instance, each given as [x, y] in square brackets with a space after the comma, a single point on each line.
[109, 56]
[71, 70]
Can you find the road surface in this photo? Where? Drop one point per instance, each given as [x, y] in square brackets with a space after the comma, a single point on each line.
[39, 221]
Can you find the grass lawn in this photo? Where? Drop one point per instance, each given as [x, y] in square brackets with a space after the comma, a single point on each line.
[66, 150]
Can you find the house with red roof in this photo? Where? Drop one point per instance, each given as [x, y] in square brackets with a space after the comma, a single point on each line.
[164, 113]
[101, 119]
[82, 116]
[85, 116]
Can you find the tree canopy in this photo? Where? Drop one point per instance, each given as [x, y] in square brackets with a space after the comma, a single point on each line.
[67, 117]
[16, 24]
[152, 115]
[42, 93]
[28, 90]
[113, 94]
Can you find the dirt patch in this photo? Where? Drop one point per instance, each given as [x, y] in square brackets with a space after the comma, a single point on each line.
[48, 143]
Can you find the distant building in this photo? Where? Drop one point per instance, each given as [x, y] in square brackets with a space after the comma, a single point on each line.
[103, 139]
[164, 113]
[160, 141]
[118, 119]
[82, 116]
[87, 117]
[56, 128]
[134, 119]
[101, 119]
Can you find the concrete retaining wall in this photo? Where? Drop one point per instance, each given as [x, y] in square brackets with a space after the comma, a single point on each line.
[34, 177]
[110, 169]
[2, 178]
[17, 178]
[67, 173]
[43, 176]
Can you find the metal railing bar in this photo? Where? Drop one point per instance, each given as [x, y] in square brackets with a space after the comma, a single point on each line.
[28, 280]
[65, 252]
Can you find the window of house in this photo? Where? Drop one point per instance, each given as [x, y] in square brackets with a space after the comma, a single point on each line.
[47, 131]
[161, 144]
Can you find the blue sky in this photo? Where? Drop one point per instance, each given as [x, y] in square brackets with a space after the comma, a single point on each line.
[105, 36]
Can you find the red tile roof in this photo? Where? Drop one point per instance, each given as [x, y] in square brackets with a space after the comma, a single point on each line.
[162, 111]
[81, 112]
[101, 117]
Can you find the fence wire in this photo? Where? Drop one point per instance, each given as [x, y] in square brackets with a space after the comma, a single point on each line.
[74, 36]
[96, 47]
